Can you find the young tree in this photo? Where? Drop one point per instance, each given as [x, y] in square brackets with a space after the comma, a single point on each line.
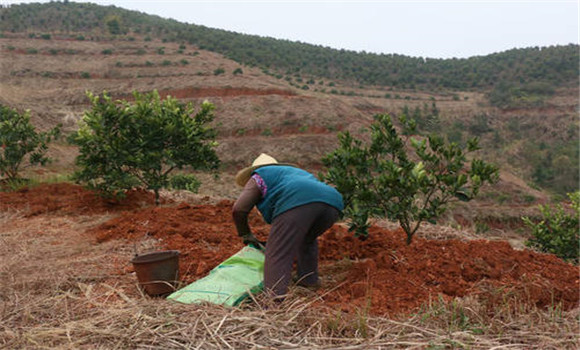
[381, 179]
[558, 230]
[123, 145]
[20, 143]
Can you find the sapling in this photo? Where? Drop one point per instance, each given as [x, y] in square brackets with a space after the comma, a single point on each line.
[402, 178]
[124, 145]
[20, 144]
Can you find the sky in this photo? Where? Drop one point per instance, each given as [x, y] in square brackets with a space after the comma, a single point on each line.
[427, 28]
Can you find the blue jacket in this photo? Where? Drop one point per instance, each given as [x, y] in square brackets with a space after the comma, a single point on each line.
[289, 187]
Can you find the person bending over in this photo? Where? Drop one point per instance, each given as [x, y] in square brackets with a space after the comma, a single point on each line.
[298, 206]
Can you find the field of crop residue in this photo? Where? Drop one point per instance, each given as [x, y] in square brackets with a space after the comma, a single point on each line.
[68, 283]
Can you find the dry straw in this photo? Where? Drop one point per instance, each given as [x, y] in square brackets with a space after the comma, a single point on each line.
[65, 294]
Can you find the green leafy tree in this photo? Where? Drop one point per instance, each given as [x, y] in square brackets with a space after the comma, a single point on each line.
[123, 145]
[380, 178]
[20, 144]
[557, 232]
[113, 23]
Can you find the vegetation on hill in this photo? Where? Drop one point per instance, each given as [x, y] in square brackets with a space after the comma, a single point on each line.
[556, 65]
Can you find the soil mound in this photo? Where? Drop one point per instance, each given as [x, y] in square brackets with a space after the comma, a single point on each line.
[393, 276]
[381, 273]
[69, 199]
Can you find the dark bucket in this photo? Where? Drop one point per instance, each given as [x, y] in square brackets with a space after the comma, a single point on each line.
[157, 272]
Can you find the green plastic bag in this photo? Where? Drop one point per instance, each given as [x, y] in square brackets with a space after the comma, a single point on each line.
[229, 283]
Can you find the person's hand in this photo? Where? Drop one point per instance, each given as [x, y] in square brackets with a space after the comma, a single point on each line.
[252, 240]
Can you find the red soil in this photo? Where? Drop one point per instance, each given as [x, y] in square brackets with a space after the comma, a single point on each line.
[381, 273]
[69, 199]
[201, 92]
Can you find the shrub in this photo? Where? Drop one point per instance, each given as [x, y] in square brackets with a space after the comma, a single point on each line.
[20, 143]
[381, 179]
[480, 125]
[238, 71]
[186, 182]
[557, 232]
[219, 71]
[508, 95]
[123, 145]
[107, 52]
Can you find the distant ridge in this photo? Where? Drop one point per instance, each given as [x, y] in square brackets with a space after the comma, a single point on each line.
[555, 65]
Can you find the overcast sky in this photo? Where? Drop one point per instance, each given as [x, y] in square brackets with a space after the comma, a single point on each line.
[428, 28]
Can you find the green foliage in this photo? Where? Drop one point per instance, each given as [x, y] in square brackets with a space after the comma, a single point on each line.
[557, 232]
[186, 182]
[238, 71]
[113, 23]
[509, 95]
[219, 71]
[381, 179]
[555, 65]
[426, 119]
[554, 166]
[480, 125]
[20, 143]
[123, 145]
[455, 133]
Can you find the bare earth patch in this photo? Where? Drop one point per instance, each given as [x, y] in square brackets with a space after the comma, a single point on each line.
[64, 289]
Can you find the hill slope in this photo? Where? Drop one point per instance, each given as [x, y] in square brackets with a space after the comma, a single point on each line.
[53, 53]
[557, 65]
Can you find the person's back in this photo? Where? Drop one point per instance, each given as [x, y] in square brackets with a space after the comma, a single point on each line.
[299, 207]
[289, 187]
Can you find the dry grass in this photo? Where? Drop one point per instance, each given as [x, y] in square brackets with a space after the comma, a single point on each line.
[61, 291]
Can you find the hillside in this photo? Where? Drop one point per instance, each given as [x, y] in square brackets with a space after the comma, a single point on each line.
[53, 53]
[300, 62]
[466, 282]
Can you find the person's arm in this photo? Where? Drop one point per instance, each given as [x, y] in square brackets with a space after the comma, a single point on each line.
[250, 196]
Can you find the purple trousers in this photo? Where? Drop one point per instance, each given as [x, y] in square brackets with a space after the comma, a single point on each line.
[293, 235]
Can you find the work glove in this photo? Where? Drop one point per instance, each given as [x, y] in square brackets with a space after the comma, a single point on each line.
[250, 239]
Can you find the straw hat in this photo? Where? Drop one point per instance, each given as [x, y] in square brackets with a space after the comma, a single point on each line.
[263, 159]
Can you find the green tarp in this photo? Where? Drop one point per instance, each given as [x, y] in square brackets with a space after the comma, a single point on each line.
[229, 283]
